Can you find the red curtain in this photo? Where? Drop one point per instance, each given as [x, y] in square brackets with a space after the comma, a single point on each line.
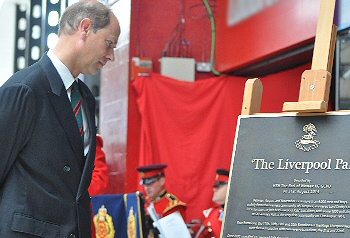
[191, 127]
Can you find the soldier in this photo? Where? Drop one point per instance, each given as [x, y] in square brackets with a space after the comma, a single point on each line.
[213, 216]
[153, 181]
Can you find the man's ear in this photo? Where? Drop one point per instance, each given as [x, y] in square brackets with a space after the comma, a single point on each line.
[85, 25]
[162, 181]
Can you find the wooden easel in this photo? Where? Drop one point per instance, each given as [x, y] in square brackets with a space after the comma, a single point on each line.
[315, 83]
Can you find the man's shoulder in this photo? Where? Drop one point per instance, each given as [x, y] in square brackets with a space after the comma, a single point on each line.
[169, 202]
[172, 198]
[173, 203]
[31, 76]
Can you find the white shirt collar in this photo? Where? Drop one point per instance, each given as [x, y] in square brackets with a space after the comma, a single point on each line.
[62, 70]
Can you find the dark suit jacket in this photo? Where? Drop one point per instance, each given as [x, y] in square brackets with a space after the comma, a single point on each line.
[44, 176]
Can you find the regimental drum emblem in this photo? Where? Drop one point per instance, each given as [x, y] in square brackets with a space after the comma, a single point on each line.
[308, 142]
[104, 224]
[131, 224]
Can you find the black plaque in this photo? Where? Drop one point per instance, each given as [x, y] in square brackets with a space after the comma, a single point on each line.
[291, 177]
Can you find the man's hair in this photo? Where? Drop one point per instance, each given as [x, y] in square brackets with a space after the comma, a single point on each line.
[99, 14]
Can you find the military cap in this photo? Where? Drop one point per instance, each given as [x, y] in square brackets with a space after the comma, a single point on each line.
[149, 173]
[222, 176]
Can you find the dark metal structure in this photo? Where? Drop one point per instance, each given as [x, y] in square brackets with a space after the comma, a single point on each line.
[35, 21]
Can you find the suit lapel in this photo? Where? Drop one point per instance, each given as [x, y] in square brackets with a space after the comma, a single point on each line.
[65, 115]
[62, 106]
[89, 109]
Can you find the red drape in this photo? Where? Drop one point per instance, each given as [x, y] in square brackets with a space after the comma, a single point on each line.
[191, 127]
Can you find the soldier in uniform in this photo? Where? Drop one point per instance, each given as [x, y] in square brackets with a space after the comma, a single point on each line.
[211, 226]
[153, 181]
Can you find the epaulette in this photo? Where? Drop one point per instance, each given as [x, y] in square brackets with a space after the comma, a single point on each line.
[174, 202]
[171, 196]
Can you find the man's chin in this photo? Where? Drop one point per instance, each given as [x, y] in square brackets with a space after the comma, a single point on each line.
[92, 72]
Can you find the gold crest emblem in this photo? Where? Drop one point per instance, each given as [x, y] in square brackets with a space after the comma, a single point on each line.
[307, 142]
[131, 224]
[104, 224]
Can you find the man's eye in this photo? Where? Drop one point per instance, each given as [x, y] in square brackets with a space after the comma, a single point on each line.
[109, 43]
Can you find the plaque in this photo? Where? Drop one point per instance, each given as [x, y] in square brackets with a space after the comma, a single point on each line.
[291, 177]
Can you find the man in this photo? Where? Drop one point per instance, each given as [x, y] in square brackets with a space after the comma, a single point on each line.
[153, 181]
[213, 217]
[47, 154]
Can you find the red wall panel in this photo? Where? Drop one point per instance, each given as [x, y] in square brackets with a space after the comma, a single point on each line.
[154, 27]
[279, 28]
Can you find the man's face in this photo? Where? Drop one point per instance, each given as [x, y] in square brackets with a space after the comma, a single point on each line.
[100, 47]
[154, 189]
[219, 195]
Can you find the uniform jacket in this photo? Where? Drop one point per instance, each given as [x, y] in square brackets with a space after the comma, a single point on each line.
[165, 204]
[44, 175]
[212, 222]
[100, 176]
[168, 203]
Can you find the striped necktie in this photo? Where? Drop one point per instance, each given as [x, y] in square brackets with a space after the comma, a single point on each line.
[76, 105]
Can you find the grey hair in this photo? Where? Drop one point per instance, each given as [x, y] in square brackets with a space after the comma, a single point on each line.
[98, 13]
